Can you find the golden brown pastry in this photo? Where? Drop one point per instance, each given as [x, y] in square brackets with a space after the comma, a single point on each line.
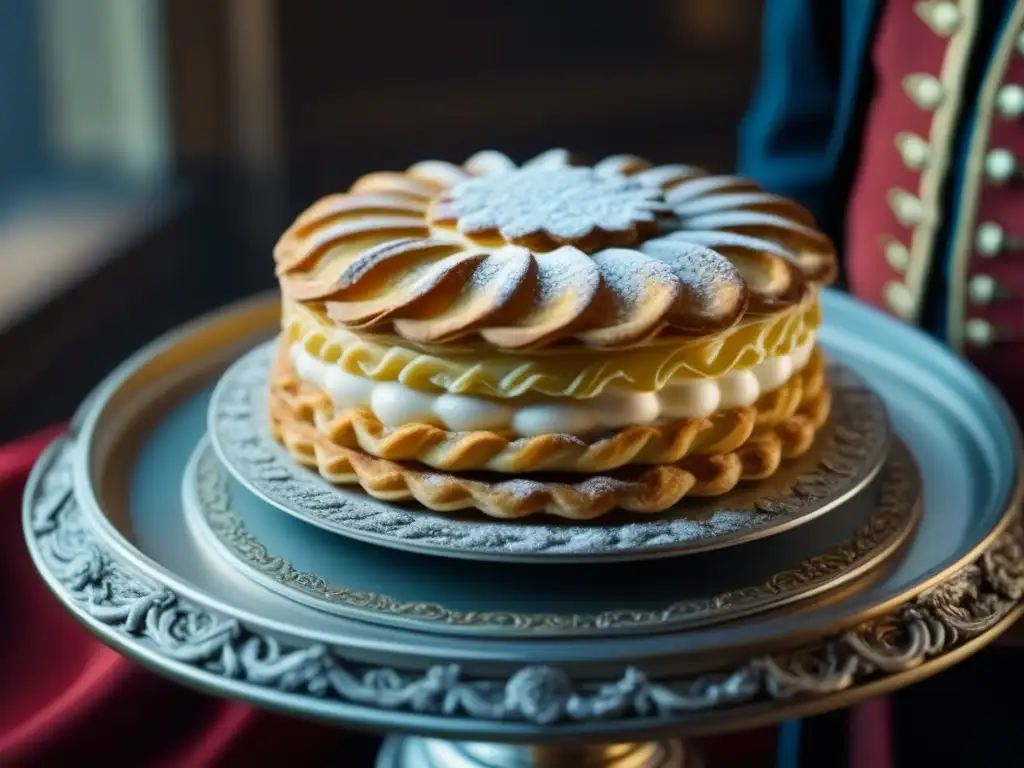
[644, 332]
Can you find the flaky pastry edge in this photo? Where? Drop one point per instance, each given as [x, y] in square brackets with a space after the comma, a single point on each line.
[639, 489]
[668, 443]
[572, 375]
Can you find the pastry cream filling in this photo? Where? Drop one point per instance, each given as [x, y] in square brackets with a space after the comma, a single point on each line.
[395, 404]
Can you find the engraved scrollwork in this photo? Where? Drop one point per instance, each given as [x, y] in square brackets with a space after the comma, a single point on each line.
[890, 520]
[114, 595]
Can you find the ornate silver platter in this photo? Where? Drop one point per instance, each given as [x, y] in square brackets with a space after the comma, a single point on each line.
[847, 456]
[335, 574]
[105, 527]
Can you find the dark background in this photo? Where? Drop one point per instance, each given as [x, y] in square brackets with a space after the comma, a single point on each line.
[129, 205]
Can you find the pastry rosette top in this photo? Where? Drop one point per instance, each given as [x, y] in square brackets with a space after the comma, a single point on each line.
[500, 320]
[607, 256]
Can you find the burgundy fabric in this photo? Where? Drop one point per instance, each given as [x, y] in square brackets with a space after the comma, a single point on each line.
[871, 734]
[870, 225]
[904, 44]
[1001, 204]
[67, 698]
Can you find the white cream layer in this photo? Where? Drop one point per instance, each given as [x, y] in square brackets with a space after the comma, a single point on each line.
[395, 404]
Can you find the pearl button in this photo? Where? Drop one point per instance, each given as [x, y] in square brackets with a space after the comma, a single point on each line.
[979, 333]
[1010, 101]
[898, 255]
[1000, 165]
[914, 150]
[924, 90]
[943, 17]
[988, 239]
[897, 297]
[983, 289]
[909, 210]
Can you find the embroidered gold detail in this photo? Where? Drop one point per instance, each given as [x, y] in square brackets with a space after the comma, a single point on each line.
[980, 333]
[897, 297]
[913, 149]
[897, 254]
[1001, 165]
[1010, 101]
[908, 209]
[924, 90]
[943, 17]
[983, 289]
[968, 201]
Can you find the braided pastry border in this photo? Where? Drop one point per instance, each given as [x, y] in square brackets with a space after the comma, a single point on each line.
[633, 488]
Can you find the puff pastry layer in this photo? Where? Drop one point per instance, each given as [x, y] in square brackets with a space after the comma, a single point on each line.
[715, 455]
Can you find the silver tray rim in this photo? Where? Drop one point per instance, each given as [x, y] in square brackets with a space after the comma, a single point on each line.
[266, 307]
[475, 695]
[381, 608]
[537, 703]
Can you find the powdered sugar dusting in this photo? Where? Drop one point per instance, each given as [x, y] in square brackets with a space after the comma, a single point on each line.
[565, 271]
[489, 162]
[501, 274]
[630, 276]
[701, 270]
[542, 219]
[552, 158]
[565, 202]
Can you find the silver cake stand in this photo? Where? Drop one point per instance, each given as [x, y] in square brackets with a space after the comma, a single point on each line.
[893, 551]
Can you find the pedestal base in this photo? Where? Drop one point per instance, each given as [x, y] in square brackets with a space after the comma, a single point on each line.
[415, 752]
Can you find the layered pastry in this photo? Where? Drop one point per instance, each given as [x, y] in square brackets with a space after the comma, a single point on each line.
[553, 337]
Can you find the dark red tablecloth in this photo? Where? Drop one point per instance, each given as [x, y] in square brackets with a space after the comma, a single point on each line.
[68, 698]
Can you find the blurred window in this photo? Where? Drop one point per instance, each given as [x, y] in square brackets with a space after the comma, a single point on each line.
[83, 136]
[82, 97]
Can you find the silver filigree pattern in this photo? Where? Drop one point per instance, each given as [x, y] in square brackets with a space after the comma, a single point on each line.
[890, 521]
[116, 596]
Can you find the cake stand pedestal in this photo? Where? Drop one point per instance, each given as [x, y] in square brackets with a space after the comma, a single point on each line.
[416, 752]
